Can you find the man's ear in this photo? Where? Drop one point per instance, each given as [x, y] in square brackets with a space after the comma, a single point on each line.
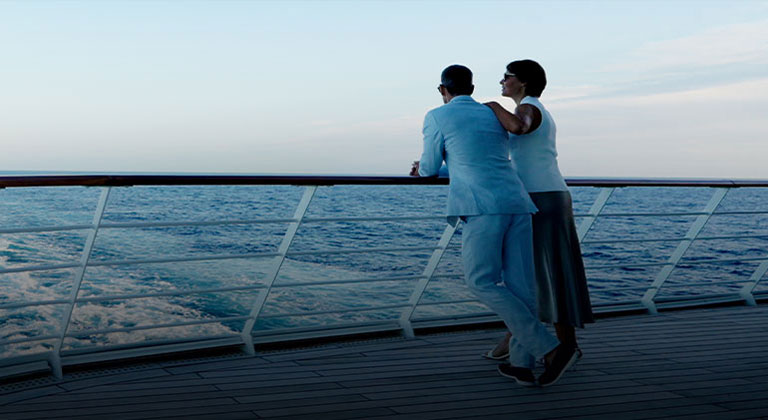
[472, 89]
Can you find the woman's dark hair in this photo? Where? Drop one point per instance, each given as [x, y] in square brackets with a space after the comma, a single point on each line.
[457, 79]
[530, 73]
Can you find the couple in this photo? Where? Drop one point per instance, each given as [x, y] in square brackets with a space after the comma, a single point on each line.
[525, 268]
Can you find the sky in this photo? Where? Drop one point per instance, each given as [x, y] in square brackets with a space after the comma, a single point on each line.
[637, 88]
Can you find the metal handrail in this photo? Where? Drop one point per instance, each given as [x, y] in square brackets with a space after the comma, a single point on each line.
[128, 180]
[407, 318]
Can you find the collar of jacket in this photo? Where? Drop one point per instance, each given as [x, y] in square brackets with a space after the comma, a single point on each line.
[461, 98]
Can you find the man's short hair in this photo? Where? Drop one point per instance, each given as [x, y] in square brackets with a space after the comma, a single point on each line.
[458, 80]
[531, 73]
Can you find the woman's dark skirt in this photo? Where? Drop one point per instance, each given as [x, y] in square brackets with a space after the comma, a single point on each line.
[560, 279]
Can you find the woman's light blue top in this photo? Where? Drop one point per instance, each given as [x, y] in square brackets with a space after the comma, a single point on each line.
[535, 154]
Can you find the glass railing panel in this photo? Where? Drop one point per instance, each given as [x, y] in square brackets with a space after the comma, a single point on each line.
[730, 248]
[46, 206]
[313, 239]
[320, 325]
[294, 307]
[447, 285]
[701, 279]
[451, 263]
[378, 201]
[601, 254]
[658, 200]
[101, 281]
[46, 289]
[738, 224]
[762, 287]
[29, 250]
[582, 198]
[119, 304]
[130, 317]
[745, 198]
[204, 202]
[20, 329]
[144, 338]
[619, 285]
[199, 290]
[615, 229]
[449, 311]
[120, 244]
[329, 268]
[612, 266]
[439, 299]
[448, 282]
[47, 285]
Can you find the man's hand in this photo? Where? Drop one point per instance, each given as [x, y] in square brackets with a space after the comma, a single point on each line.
[415, 168]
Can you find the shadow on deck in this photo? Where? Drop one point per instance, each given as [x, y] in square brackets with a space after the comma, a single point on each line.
[693, 364]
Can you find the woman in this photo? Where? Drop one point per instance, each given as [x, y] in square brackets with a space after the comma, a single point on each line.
[561, 282]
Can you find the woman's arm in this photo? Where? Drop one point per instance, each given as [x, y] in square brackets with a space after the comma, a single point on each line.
[525, 119]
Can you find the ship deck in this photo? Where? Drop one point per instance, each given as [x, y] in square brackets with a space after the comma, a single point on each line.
[698, 363]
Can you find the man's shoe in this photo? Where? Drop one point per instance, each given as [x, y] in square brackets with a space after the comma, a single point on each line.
[522, 376]
[490, 355]
[564, 358]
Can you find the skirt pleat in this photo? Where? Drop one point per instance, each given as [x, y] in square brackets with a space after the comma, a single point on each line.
[563, 295]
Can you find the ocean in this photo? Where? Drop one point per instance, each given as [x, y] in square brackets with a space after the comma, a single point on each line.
[30, 207]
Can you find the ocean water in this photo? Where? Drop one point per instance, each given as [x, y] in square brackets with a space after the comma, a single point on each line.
[315, 241]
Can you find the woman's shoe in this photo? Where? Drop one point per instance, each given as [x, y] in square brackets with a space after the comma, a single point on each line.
[564, 358]
[522, 376]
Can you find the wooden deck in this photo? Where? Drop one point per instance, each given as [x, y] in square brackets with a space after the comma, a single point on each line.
[692, 364]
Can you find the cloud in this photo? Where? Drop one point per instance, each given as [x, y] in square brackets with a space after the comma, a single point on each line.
[714, 57]
[715, 131]
[729, 44]
[754, 90]
[566, 93]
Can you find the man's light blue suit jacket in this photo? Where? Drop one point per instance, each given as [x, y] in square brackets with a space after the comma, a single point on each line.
[475, 147]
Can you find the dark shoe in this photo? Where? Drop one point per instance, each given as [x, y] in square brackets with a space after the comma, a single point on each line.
[543, 360]
[564, 358]
[522, 376]
[579, 355]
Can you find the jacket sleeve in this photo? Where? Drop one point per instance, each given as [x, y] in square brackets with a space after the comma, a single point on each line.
[434, 148]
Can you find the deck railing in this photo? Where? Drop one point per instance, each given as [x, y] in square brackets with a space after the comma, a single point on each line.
[55, 356]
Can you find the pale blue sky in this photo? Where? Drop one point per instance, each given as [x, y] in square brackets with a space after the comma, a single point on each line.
[638, 88]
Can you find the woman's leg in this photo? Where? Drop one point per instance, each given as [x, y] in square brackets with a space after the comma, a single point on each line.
[566, 334]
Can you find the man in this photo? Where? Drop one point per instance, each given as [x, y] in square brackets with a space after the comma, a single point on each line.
[487, 194]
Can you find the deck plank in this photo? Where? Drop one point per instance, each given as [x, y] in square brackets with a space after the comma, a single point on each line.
[691, 364]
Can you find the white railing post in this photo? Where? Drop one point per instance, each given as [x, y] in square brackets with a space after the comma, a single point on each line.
[674, 259]
[746, 291]
[426, 276]
[55, 360]
[594, 211]
[290, 233]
